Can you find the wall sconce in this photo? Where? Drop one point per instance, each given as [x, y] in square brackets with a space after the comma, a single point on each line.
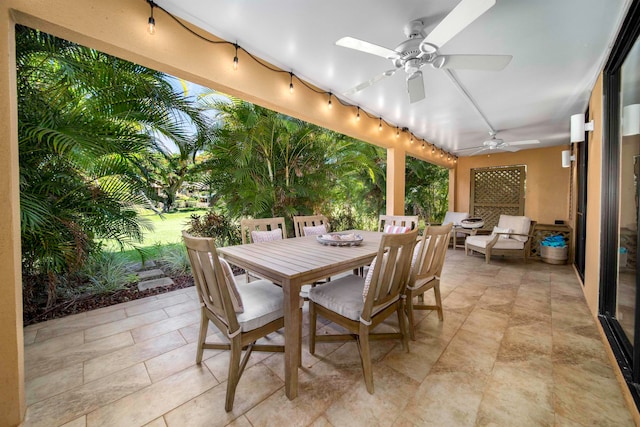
[567, 158]
[631, 120]
[578, 127]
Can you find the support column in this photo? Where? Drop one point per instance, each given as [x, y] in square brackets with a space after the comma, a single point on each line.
[12, 398]
[396, 163]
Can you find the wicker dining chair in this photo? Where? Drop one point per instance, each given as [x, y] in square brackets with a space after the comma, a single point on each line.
[359, 304]
[242, 313]
[426, 268]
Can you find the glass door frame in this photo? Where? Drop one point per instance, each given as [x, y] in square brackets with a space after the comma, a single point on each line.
[628, 356]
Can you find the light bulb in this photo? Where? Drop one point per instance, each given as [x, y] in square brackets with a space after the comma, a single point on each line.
[358, 114]
[380, 125]
[235, 59]
[433, 149]
[411, 141]
[290, 87]
[397, 132]
[152, 25]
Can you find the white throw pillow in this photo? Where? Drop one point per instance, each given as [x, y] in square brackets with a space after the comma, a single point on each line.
[266, 236]
[497, 230]
[396, 229]
[317, 230]
[367, 280]
[416, 253]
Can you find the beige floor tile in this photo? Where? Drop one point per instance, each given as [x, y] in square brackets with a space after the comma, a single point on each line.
[381, 408]
[162, 327]
[207, 410]
[127, 324]
[78, 422]
[107, 364]
[589, 394]
[30, 336]
[153, 401]
[48, 332]
[432, 327]
[174, 361]
[418, 362]
[524, 342]
[46, 359]
[486, 323]
[156, 304]
[218, 363]
[158, 422]
[575, 349]
[516, 394]
[70, 405]
[470, 353]
[446, 399]
[53, 383]
[321, 421]
[184, 307]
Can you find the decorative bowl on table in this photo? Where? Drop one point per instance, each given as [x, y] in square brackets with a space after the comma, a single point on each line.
[472, 223]
[340, 239]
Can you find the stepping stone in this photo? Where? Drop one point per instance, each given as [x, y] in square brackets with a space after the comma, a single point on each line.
[137, 266]
[154, 283]
[150, 274]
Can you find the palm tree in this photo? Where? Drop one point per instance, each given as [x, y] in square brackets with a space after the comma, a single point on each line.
[86, 126]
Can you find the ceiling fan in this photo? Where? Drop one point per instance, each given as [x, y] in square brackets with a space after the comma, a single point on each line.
[494, 143]
[421, 49]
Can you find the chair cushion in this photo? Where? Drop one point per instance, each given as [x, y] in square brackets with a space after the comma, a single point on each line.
[416, 253]
[314, 230]
[266, 236]
[481, 242]
[454, 217]
[343, 296]
[263, 303]
[396, 229]
[497, 230]
[517, 224]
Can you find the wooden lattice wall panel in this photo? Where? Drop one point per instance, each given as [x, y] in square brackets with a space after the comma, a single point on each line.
[496, 191]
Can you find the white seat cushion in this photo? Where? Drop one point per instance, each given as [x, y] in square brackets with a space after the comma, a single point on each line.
[517, 224]
[262, 302]
[343, 296]
[481, 242]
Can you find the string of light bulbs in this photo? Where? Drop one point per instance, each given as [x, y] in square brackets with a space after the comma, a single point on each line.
[152, 30]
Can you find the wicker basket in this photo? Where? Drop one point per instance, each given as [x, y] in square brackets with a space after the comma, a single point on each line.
[552, 255]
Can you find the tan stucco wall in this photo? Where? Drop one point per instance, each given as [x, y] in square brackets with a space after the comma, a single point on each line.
[547, 182]
[594, 200]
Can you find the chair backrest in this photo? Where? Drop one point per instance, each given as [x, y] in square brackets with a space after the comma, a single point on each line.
[454, 217]
[517, 224]
[310, 222]
[210, 282]
[429, 253]
[410, 221]
[390, 272]
[247, 225]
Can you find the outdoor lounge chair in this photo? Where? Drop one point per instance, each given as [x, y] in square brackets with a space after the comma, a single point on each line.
[511, 237]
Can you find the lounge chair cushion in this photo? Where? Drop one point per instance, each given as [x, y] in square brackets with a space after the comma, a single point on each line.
[263, 304]
[454, 218]
[497, 230]
[517, 224]
[481, 242]
[396, 229]
[315, 230]
[266, 236]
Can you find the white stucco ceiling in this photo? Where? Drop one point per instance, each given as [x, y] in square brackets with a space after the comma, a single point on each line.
[558, 48]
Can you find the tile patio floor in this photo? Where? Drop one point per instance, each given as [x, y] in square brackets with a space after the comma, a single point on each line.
[518, 347]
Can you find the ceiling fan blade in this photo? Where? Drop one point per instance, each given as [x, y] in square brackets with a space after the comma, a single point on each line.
[527, 142]
[475, 62]
[469, 148]
[369, 82]
[480, 151]
[507, 147]
[457, 20]
[367, 47]
[415, 87]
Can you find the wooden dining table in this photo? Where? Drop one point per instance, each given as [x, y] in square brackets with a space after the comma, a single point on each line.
[292, 263]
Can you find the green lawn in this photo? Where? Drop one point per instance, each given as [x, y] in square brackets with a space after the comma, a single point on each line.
[166, 231]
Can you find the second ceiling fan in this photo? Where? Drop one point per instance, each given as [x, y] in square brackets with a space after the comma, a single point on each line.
[420, 49]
